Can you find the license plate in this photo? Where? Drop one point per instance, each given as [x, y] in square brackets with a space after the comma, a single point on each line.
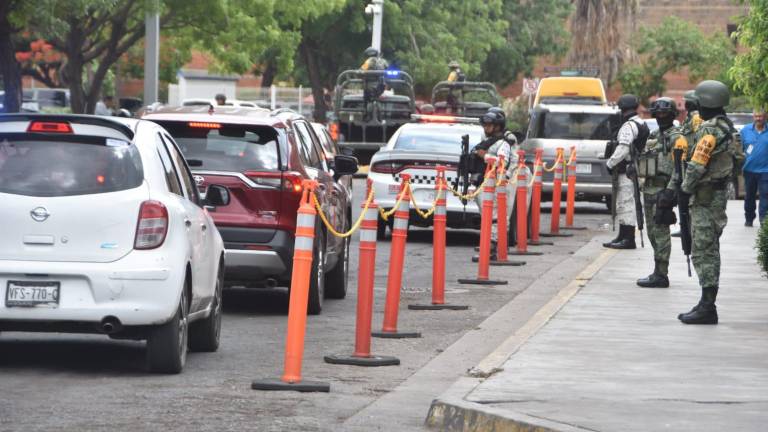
[394, 189]
[31, 293]
[582, 168]
[425, 195]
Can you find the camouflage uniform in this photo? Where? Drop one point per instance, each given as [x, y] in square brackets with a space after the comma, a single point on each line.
[659, 147]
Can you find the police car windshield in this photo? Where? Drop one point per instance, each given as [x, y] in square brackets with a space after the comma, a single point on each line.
[438, 140]
[564, 125]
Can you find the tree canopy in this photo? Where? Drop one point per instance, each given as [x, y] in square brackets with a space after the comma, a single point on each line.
[750, 68]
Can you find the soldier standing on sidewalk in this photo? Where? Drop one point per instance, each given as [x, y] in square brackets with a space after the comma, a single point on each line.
[706, 178]
[629, 141]
[656, 166]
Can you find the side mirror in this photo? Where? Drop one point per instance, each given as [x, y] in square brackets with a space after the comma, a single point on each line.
[345, 165]
[216, 196]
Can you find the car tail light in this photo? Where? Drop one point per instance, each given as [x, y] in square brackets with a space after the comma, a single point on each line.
[287, 181]
[205, 125]
[50, 127]
[387, 167]
[152, 226]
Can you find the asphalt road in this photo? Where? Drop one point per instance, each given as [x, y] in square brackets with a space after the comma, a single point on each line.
[51, 382]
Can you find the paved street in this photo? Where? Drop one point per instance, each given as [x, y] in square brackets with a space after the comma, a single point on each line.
[616, 358]
[80, 382]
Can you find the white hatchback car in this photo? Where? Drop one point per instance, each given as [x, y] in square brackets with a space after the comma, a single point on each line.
[104, 232]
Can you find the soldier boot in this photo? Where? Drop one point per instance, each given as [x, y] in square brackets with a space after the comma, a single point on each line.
[705, 312]
[657, 279]
[618, 237]
[626, 238]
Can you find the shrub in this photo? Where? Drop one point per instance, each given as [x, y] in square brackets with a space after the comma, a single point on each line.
[762, 246]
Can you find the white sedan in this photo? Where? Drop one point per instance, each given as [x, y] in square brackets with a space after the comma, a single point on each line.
[417, 149]
[104, 232]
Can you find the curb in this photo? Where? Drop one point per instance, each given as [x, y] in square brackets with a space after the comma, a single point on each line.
[452, 412]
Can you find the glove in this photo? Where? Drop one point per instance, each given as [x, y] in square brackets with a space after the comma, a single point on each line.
[664, 216]
[610, 170]
[666, 199]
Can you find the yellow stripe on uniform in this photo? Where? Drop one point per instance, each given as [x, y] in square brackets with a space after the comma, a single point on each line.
[704, 150]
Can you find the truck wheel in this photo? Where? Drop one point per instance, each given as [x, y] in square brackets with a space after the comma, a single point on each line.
[336, 279]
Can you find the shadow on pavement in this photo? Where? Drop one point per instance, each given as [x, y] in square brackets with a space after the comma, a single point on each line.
[247, 301]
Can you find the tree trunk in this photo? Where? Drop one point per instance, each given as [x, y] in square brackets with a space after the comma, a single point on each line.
[269, 74]
[74, 68]
[9, 68]
[308, 54]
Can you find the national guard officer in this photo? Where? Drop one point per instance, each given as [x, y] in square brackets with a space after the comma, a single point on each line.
[710, 165]
[373, 60]
[692, 117]
[656, 166]
[455, 74]
[628, 143]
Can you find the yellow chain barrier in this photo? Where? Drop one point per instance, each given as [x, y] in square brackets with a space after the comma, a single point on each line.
[386, 214]
[572, 157]
[530, 180]
[554, 165]
[357, 224]
[470, 196]
[428, 213]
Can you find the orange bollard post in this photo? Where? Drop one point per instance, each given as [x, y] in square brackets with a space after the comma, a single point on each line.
[486, 222]
[538, 168]
[557, 192]
[570, 205]
[396, 260]
[297, 308]
[365, 279]
[502, 219]
[522, 208]
[439, 222]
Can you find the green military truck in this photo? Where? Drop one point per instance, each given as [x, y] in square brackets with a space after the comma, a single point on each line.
[368, 107]
[464, 98]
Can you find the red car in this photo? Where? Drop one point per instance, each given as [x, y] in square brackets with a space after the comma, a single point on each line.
[262, 157]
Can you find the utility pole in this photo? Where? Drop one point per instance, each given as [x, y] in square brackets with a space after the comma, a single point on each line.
[151, 53]
[376, 8]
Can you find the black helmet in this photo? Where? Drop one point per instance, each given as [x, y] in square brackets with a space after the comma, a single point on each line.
[662, 106]
[712, 94]
[494, 116]
[371, 52]
[628, 102]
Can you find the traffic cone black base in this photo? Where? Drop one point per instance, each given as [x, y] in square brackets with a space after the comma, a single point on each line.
[555, 235]
[507, 263]
[518, 253]
[395, 335]
[301, 386]
[575, 228]
[371, 361]
[443, 306]
[481, 282]
[540, 243]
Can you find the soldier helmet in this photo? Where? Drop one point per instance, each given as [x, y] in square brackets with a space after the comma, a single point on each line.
[454, 64]
[371, 52]
[690, 96]
[494, 116]
[712, 94]
[628, 102]
[663, 105]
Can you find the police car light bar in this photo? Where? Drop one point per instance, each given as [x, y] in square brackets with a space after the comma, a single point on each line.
[432, 118]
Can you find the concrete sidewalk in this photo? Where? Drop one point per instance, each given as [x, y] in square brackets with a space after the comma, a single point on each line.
[615, 357]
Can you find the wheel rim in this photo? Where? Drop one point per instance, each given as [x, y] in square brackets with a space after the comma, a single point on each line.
[183, 327]
[320, 273]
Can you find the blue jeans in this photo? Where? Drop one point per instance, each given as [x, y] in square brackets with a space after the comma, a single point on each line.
[754, 184]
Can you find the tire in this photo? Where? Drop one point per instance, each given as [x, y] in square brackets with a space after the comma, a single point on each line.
[204, 335]
[381, 229]
[167, 343]
[336, 279]
[317, 279]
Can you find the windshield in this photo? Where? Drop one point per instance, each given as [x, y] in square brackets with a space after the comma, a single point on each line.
[221, 147]
[581, 126]
[436, 140]
[48, 167]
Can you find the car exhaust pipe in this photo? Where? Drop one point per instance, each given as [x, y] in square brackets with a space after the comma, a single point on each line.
[110, 325]
[271, 283]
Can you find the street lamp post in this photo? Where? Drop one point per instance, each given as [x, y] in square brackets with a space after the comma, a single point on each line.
[151, 55]
[376, 8]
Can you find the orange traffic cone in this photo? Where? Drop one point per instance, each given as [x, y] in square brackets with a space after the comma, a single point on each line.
[571, 193]
[522, 208]
[557, 192]
[538, 168]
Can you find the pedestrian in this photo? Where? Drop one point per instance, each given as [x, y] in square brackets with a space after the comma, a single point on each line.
[627, 143]
[221, 99]
[656, 167]
[106, 106]
[754, 139]
[455, 74]
[707, 174]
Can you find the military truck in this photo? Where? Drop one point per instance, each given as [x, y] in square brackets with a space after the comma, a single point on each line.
[368, 107]
[464, 98]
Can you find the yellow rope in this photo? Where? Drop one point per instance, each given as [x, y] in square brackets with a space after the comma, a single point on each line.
[572, 158]
[471, 196]
[554, 165]
[357, 224]
[428, 213]
[386, 214]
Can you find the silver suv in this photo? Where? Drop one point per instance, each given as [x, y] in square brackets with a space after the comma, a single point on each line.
[588, 128]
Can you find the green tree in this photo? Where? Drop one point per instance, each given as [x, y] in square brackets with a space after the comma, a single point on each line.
[13, 15]
[671, 46]
[750, 69]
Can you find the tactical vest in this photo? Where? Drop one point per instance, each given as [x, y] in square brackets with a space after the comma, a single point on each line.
[637, 146]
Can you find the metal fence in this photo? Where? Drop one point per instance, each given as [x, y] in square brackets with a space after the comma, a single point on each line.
[298, 99]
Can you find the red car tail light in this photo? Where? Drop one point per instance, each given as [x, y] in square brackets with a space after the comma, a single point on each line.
[387, 167]
[153, 225]
[50, 127]
[205, 125]
[288, 181]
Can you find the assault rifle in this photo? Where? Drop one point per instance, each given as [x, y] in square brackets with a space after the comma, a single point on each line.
[462, 174]
[682, 207]
[632, 174]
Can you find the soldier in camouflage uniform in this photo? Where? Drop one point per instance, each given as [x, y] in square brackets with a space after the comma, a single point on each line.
[656, 166]
[710, 164]
[692, 117]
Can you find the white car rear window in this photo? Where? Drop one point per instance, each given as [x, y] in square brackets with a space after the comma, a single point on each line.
[446, 140]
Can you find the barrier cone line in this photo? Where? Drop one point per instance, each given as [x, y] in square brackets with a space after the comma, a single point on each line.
[486, 222]
[557, 191]
[522, 208]
[365, 280]
[502, 218]
[297, 308]
[439, 222]
[538, 168]
[396, 260]
[571, 193]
